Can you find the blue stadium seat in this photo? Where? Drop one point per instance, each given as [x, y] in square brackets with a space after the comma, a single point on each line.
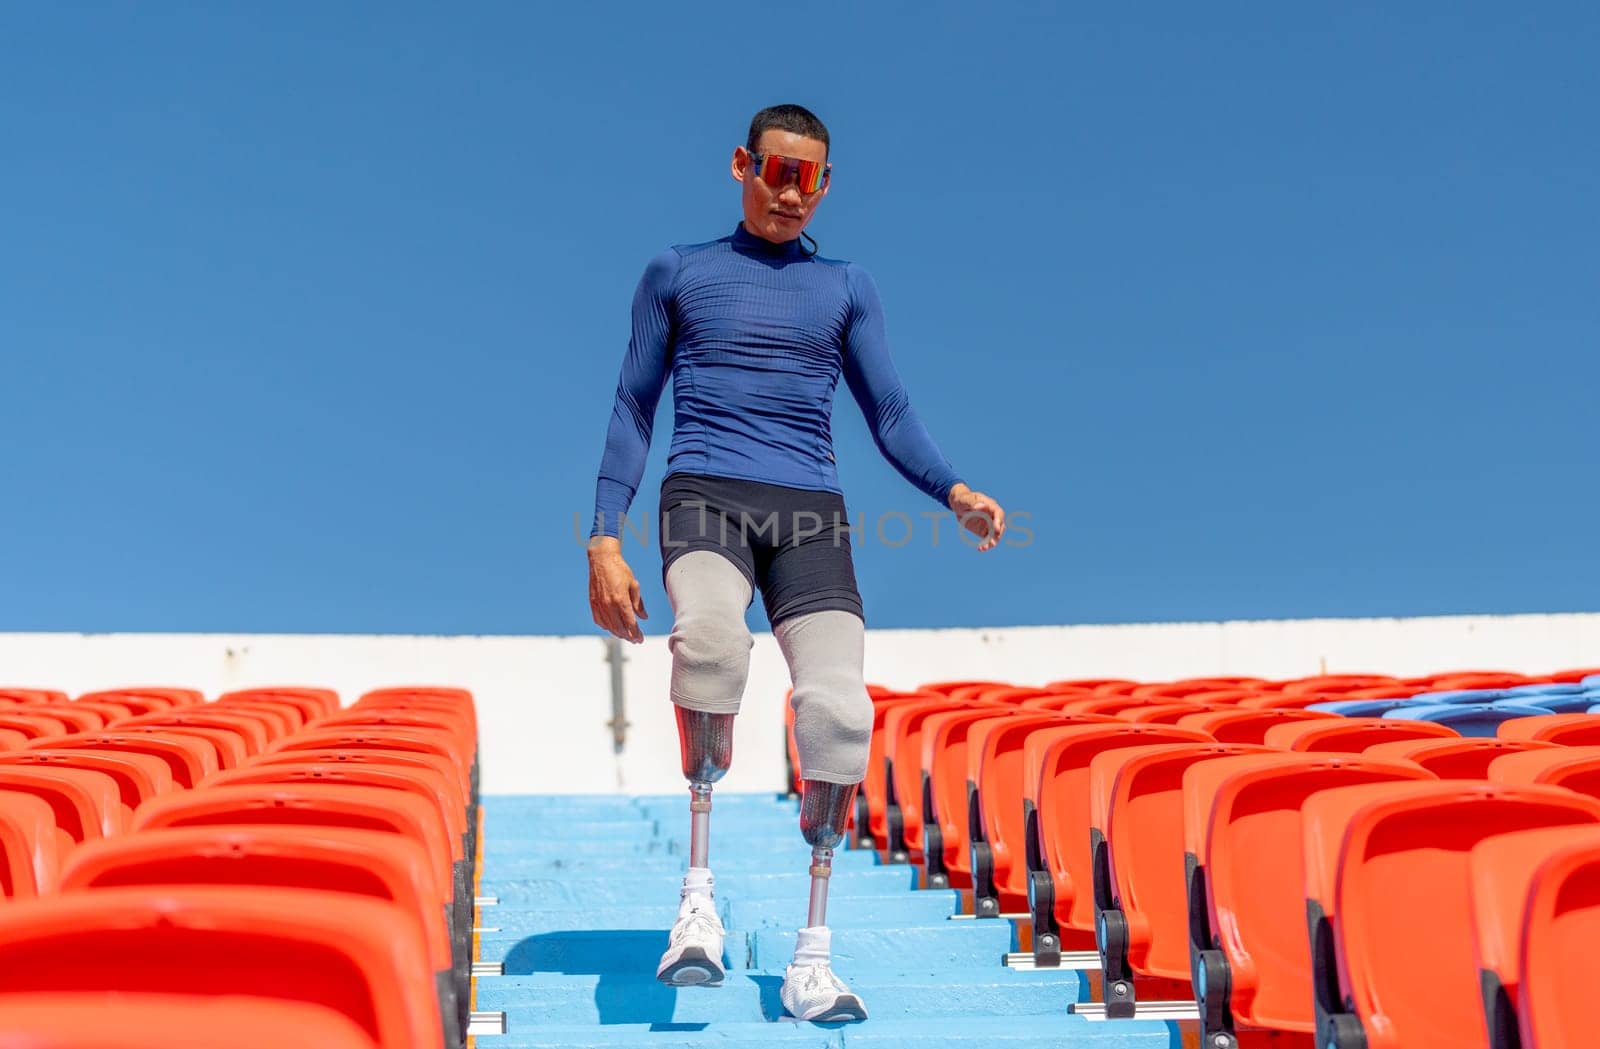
[1461, 696]
[1549, 688]
[1360, 708]
[1555, 703]
[1468, 719]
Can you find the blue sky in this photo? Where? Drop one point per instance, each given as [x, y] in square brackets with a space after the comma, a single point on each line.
[310, 315]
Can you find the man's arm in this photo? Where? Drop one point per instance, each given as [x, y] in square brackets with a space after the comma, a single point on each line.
[896, 428]
[639, 386]
[876, 386]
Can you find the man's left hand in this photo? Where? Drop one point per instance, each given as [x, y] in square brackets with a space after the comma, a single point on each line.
[979, 514]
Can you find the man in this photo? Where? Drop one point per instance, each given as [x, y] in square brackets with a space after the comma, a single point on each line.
[755, 331]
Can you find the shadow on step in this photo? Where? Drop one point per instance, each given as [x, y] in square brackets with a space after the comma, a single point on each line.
[624, 960]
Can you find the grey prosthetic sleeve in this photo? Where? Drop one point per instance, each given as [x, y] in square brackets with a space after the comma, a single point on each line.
[710, 647]
[706, 744]
[710, 644]
[824, 810]
[832, 711]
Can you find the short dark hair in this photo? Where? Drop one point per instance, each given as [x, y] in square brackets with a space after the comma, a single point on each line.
[797, 120]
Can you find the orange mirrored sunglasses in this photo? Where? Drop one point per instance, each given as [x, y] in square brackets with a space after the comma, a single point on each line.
[776, 171]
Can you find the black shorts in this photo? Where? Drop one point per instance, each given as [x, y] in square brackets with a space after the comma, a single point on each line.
[792, 544]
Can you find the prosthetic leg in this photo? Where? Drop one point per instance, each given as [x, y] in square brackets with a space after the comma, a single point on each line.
[810, 989]
[694, 947]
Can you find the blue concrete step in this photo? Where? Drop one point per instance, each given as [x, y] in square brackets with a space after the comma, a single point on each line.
[947, 945]
[1027, 1032]
[500, 830]
[554, 888]
[590, 950]
[900, 908]
[610, 803]
[753, 996]
[588, 887]
[746, 911]
[509, 862]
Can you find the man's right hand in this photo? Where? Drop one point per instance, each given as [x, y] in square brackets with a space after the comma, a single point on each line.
[613, 591]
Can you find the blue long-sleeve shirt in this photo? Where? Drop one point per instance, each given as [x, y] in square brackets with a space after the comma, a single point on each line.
[755, 335]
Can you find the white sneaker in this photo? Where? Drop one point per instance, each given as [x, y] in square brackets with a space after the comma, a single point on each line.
[810, 990]
[694, 947]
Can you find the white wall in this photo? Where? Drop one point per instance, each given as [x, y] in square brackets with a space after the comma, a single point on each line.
[543, 702]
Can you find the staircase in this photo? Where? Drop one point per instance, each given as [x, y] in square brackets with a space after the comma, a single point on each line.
[584, 889]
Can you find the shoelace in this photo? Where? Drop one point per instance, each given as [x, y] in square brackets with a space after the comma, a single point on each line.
[813, 979]
[698, 923]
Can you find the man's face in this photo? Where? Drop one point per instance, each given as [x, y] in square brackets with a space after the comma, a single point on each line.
[778, 215]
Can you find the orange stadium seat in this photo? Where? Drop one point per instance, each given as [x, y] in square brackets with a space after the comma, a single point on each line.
[1388, 887]
[1574, 768]
[31, 695]
[228, 748]
[307, 804]
[189, 758]
[1056, 700]
[30, 847]
[1396, 691]
[1460, 758]
[280, 718]
[331, 949]
[139, 777]
[440, 790]
[1246, 726]
[456, 724]
[944, 791]
[290, 713]
[1243, 856]
[1503, 870]
[872, 800]
[1116, 688]
[1328, 683]
[1110, 706]
[78, 717]
[1170, 713]
[1556, 958]
[333, 859]
[1569, 730]
[1136, 838]
[398, 758]
[407, 810]
[1351, 735]
[142, 700]
[313, 702]
[86, 804]
[1060, 864]
[432, 697]
[949, 687]
[110, 711]
[460, 713]
[1014, 695]
[902, 729]
[1093, 684]
[1287, 700]
[995, 818]
[31, 724]
[378, 738]
[1176, 689]
[1472, 679]
[1574, 676]
[252, 729]
[460, 696]
[1232, 697]
[89, 1020]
